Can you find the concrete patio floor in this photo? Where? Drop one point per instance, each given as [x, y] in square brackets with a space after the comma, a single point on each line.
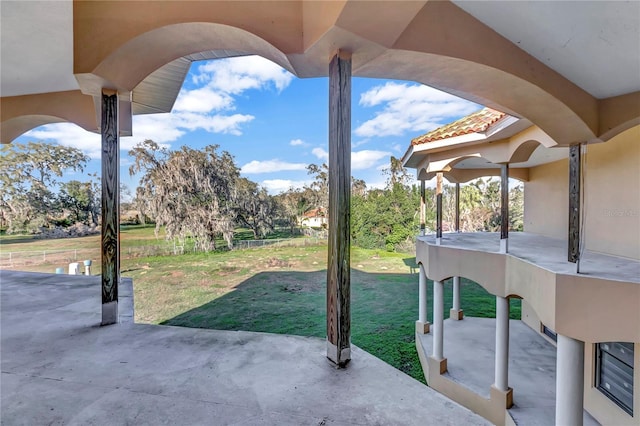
[469, 346]
[60, 367]
[549, 253]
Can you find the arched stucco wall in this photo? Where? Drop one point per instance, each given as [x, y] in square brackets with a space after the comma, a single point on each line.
[125, 68]
[612, 198]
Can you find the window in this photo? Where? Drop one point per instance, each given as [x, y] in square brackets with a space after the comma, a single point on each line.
[549, 332]
[614, 373]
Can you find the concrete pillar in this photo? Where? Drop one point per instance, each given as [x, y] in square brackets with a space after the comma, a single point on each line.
[110, 207]
[438, 320]
[502, 344]
[456, 313]
[569, 381]
[422, 325]
[338, 259]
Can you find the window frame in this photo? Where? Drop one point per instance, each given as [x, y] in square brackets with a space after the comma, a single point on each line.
[598, 375]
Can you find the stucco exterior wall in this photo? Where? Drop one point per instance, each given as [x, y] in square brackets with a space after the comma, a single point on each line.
[613, 195]
[546, 200]
[612, 200]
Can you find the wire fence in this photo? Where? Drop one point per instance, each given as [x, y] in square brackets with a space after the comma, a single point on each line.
[14, 259]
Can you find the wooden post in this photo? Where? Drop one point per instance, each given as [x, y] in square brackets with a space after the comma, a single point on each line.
[457, 207]
[423, 209]
[438, 208]
[110, 208]
[338, 264]
[574, 204]
[504, 208]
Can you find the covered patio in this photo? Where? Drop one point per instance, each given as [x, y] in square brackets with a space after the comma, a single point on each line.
[60, 367]
[532, 362]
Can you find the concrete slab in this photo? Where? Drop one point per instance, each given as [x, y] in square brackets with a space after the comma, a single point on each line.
[60, 367]
[549, 253]
[469, 346]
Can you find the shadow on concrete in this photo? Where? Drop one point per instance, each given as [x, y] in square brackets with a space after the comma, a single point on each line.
[383, 310]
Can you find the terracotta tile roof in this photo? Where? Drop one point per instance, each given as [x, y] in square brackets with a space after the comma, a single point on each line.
[477, 122]
[319, 212]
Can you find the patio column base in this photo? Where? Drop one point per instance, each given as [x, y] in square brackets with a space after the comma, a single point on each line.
[456, 314]
[109, 313]
[501, 398]
[422, 327]
[437, 364]
[340, 359]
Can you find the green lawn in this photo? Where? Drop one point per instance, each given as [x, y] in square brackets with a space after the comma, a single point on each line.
[282, 290]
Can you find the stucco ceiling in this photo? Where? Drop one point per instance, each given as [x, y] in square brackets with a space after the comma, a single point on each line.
[604, 62]
[37, 42]
[36, 47]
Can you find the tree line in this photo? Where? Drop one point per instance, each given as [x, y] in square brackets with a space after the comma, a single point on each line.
[198, 194]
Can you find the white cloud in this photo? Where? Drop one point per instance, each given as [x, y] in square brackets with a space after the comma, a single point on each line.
[297, 142]
[276, 186]
[161, 128]
[211, 123]
[360, 160]
[367, 158]
[202, 100]
[270, 166]
[69, 134]
[196, 109]
[235, 75]
[321, 154]
[409, 108]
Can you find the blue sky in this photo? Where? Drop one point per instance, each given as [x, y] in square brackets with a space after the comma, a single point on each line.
[275, 124]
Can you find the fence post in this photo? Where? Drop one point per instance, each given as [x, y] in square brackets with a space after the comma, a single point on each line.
[44, 255]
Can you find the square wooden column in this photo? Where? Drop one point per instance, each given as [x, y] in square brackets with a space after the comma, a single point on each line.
[504, 208]
[423, 209]
[457, 207]
[338, 263]
[438, 208]
[110, 208]
[574, 205]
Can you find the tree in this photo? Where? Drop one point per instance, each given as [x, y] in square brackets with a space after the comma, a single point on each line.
[320, 185]
[516, 208]
[358, 186]
[254, 207]
[294, 203]
[188, 191]
[386, 218]
[82, 200]
[28, 175]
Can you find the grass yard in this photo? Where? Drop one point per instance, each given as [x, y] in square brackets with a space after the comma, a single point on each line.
[281, 290]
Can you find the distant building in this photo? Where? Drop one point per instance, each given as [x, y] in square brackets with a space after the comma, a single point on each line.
[315, 218]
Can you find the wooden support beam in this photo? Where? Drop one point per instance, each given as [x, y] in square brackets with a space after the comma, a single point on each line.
[338, 266]
[457, 207]
[438, 206]
[110, 208]
[574, 204]
[504, 201]
[423, 209]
